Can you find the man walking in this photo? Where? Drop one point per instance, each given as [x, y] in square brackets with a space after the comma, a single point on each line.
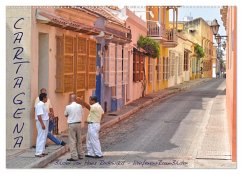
[93, 121]
[42, 123]
[50, 111]
[74, 114]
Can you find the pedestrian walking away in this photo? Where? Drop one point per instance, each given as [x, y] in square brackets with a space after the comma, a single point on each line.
[74, 113]
[93, 121]
[50, 111]
[42, 123]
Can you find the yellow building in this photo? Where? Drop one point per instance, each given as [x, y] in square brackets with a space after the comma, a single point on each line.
[158, 29]
[199, 31]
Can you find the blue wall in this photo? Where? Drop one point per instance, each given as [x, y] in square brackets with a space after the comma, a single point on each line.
[99, 76]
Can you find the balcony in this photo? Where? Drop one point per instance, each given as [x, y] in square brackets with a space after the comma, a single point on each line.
[167, 37]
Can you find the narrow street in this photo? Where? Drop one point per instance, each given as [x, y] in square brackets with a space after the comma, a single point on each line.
[168, 134]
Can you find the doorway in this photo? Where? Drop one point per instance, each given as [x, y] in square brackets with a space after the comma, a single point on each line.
[43, 65]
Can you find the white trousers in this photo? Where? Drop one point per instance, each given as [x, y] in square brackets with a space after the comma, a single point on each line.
[93, 143]
[41, 137]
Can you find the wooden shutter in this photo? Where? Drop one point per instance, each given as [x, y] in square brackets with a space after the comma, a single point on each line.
[150, 70]
[68, 64]
[59, 63]
[125, 65]
[141, 67]
[81, 66]
[65, 64]
[109, 69]
[91, 73]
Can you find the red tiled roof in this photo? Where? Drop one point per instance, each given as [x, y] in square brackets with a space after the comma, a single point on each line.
[58, 21]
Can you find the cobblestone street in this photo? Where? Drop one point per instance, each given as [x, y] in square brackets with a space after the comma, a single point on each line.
[161, 136]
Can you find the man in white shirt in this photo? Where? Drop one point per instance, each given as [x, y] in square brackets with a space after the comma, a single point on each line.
[50, 110]
[74, 114]
[42, 123]
[94, 118]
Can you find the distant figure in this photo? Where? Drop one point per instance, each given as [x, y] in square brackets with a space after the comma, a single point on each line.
[42, 123]
[50, 110]
[93, 121]
[74, 114]
[217, 75]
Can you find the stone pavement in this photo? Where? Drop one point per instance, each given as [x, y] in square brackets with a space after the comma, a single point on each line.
[215, 149]
[25, 158]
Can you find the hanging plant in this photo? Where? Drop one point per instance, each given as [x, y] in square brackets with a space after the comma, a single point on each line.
[151, 47]
[199, 51]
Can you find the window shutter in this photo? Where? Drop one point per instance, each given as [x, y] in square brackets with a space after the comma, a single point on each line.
[141, 67]
[119, 72]
[109, 69]
[125, 65]
[65, 64]
[91, 71]
[59, 64]
[81, 66]
[150, 70]
[68, 64]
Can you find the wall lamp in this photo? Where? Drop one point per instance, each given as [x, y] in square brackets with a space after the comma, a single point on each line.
[215, 27]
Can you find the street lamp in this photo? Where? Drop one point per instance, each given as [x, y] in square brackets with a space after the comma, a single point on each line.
[215, 27]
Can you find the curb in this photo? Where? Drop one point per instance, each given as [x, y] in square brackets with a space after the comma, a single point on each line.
[62, 150]
[49, 158]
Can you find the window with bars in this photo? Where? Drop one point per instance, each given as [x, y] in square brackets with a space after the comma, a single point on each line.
[75, 65]
[186, 59]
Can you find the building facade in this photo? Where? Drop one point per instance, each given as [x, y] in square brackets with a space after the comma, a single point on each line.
[229, 18]
[159, 71]
[59, 49]
[199, 32]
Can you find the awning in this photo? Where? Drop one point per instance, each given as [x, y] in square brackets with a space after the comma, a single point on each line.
[57, 21]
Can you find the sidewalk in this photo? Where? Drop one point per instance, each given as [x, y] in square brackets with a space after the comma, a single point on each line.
[26, 159]
[215, 151]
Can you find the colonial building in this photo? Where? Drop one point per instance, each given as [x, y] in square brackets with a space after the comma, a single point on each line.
[58, 48]
[199, 32]
[137, 70]
[113, 57]
[160, 69]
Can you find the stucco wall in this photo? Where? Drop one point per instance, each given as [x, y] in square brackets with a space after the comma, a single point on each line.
[18, 78]
[138, 27]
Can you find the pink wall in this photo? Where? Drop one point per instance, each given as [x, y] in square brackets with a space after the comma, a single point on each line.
[231, 62]
[58, 100]
[138, 27]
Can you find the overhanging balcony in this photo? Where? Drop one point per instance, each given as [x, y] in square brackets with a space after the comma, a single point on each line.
[167, 37]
